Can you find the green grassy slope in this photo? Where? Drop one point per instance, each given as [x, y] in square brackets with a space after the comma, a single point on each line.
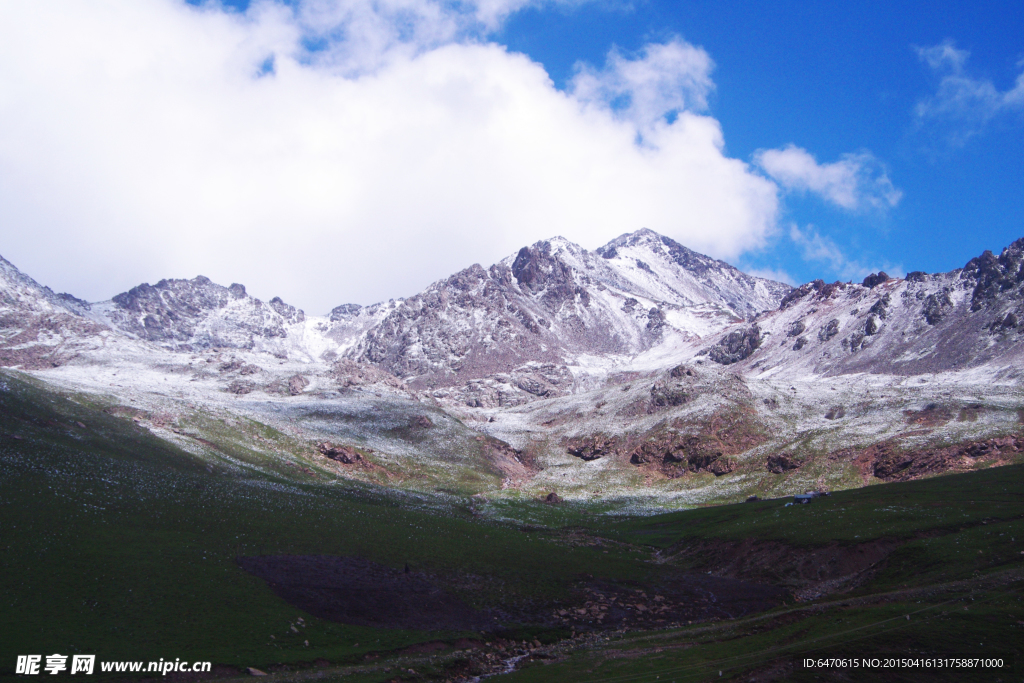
[115, 543]
[118, 544]
[953, 586]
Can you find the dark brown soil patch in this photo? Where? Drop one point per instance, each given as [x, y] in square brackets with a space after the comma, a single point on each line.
[890, 461]
[676, 597]
[932, 415]
[355, 591]
[808, 572]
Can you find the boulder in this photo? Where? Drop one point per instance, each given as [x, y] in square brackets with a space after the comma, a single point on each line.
[736, 346]
[296, 383]
[343, 454]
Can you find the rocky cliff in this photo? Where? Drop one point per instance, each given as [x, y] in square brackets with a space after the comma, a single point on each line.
[924, 323]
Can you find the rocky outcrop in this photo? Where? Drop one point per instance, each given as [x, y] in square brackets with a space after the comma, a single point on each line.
[668, 394]
[241, 387]
[894, 460]
[198, 314]
[349, 373]
[875, 279]
[297, 384]
[344, 454]
[736, 346]
[920, 324]
[780, 463]
[993, 275]
[592, 447]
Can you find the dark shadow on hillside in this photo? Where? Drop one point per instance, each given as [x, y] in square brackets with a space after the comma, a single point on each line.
[355, 591]
[359, 592]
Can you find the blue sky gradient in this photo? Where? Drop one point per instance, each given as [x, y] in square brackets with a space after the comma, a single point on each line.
[834, 78]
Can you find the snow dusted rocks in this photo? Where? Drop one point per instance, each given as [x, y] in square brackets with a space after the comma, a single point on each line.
[523, 324]
[198, 314]
[40, 329]
[553, 303]
[921, 324]
[639, 368]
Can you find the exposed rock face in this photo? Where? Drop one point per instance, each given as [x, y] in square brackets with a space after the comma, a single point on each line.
[936, 306]
[828, 330]
[664, 394]
[343, 454]
[592, 447]
[923, 323]
[40, 329]
[673, 453]
[779, 463]
[198, 314]
[349, 373]
[552, 302]
[344, 312]
[736, 346]
[287, 311]
[297, 384]
[241, 387]
[892, 461]
[871, 281]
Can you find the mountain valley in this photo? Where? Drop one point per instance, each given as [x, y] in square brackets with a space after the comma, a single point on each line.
[639, 374]
[570, 465]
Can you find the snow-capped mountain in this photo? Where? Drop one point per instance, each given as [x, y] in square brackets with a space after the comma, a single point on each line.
[554, 302]
[197, 314]
[39, 328]
[923, 323]
[640, 368]
[524, 321]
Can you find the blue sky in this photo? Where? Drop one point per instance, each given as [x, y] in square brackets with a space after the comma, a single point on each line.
[835, 78]
[329, 151]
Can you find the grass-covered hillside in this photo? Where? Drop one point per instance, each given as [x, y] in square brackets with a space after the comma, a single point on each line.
[117, 543]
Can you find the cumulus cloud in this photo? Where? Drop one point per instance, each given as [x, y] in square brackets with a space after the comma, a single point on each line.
[330, 152]
[772, 274]
[962, 101]
[857, 181]
[814, 246]
[665, 80]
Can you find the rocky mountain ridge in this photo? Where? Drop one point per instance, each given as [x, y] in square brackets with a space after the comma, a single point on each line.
[554, 302]
[920, 324]
[638, 369]
[522, 323]
[528, 324]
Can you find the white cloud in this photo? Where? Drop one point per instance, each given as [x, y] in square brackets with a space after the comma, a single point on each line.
[667, 79]
[141, 140]
[856, 181]
[817, 247]
[961, 100]
[772, 274]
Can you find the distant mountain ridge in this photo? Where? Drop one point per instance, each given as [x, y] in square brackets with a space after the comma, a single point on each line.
[554, 301]
[923, 323]
[638, 370]
[527, 323]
